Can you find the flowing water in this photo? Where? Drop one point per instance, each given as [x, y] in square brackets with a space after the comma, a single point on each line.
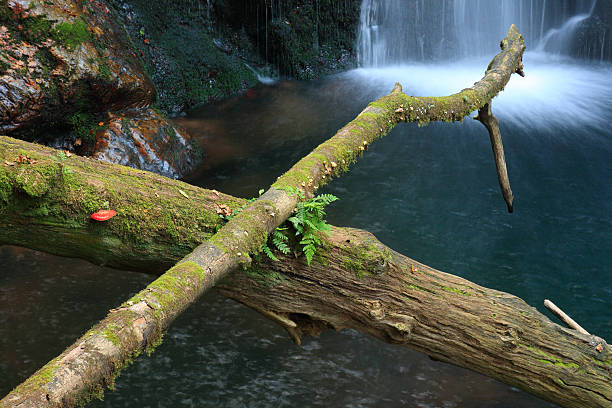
[396, 31]
[430, 193]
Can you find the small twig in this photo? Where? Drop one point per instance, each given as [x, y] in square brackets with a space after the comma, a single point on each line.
[565, 318]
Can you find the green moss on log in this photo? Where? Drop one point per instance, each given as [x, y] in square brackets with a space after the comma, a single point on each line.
[62, 192]
[365, 259]
[39, 379]
[247, 234]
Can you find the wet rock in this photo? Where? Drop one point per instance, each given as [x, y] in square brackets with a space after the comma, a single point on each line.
[593, 39]
[146, 140]
[64, 56]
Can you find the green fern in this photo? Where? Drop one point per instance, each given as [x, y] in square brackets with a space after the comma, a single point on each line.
[266, 249]
[279, 239]
[307, 222]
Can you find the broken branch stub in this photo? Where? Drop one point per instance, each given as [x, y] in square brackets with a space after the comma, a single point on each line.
[486, 117]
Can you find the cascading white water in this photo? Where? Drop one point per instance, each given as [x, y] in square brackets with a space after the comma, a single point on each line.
[399, 31]
[396, 31]
[400, 38]
[557, 38]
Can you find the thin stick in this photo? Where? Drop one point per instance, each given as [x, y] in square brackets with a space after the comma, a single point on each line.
[486, 117]
[565, 318]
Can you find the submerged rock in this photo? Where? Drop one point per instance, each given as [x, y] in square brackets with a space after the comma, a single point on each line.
[146, 140]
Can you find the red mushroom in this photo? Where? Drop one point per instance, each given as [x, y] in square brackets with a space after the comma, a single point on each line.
[103, 215]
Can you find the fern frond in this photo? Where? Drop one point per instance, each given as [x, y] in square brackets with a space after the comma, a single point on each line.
[309, 251]
[266, 249]
[327, 198]
[279, 239]
[278, 234]
[281, 246]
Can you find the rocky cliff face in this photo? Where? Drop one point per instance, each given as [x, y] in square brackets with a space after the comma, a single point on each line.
[304, 39]
[65, 67]
[59, 58]
[188, 60]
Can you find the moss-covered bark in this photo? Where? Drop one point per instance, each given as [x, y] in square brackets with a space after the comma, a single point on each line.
[49, 195]
[363, 285]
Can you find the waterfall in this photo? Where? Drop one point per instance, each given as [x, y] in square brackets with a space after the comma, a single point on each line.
[394, 31]
[398, 31]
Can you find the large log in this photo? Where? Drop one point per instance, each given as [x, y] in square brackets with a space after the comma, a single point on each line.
[354, 281]
[93, 360]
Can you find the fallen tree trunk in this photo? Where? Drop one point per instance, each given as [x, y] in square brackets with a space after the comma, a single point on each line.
[92, 361]
[354, 281]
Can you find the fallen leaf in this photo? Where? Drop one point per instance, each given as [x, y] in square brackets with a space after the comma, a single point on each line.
[599, 347]
[8, 163]
[224, 210]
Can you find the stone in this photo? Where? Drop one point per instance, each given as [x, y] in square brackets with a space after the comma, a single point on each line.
[145, 139]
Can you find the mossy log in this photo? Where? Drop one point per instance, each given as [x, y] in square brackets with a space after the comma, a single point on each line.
[354, 281]
[93, 361]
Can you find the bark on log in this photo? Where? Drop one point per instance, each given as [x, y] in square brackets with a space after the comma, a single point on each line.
[93, 360]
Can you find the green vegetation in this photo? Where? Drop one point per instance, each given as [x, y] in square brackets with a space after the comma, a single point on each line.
[175, 42]
[84, 125]
[456, 290]
[548, 358]
[366, 259]
[104, 71]
[301, 38]
[308, 222]
[71, 35]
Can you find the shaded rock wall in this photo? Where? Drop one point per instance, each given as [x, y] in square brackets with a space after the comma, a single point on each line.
[60, 58]
[202, 50]
[304, 39]
[188, 61]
